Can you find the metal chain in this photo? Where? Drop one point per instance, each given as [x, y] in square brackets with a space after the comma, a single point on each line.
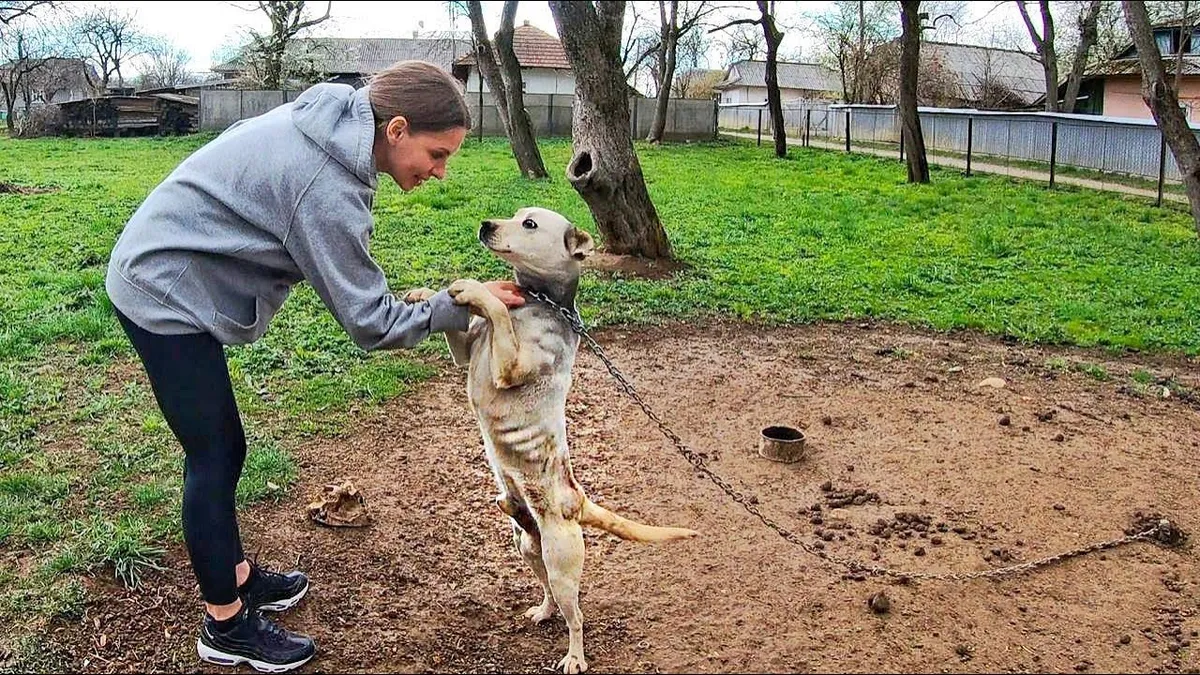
[698, 461]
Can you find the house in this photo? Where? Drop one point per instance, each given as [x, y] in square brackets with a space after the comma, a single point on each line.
[971, 76]
[746, 82]
[1114, 88]
[544, 65]
[55, 80]
[352, 60]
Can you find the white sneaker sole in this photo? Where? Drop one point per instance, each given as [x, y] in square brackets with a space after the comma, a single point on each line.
[210, 655]
[286, 603]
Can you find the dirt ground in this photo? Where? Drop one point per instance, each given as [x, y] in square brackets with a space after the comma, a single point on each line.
[435, 585]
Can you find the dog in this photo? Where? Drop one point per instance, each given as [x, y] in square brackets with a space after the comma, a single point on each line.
[519, 365]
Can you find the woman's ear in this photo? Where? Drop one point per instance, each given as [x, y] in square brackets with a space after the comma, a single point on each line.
[396, 128]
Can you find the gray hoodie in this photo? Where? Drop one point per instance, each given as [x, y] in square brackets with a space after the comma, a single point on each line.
[274, 200]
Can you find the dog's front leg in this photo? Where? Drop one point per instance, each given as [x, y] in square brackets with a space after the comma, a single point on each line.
[509, 363]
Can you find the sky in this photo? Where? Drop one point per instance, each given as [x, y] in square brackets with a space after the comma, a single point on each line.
[203, 28]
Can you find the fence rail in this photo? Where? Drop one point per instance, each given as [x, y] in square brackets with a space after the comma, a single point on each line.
[1112, 148]
[687, 119]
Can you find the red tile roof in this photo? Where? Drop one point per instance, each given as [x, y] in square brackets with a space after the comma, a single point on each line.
[534, 48]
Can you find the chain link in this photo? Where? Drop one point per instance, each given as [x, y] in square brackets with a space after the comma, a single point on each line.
[698, 461]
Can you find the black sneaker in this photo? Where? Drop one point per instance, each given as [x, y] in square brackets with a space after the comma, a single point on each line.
[270, 591]
[256, 640]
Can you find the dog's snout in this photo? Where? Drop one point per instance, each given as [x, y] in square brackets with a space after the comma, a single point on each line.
[486, 229]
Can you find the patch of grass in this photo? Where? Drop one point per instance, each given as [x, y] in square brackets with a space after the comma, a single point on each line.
[1142, 376]
[1057, 364]
[1094, 371]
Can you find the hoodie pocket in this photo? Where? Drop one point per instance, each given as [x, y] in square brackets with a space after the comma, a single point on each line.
[235, 326]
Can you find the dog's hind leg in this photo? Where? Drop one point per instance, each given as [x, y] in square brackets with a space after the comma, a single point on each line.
[562, 553]
[530, 548]
[529, 544]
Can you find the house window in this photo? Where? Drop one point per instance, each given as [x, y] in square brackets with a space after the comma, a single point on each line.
[1194, 43]
[1163, 38]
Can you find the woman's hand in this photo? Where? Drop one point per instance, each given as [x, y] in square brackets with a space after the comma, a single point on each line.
[507, 292]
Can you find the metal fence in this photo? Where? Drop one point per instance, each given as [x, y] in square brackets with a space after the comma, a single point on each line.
[687, 119]
[1120, 154]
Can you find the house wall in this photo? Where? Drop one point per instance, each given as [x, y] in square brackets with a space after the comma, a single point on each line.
[1123, 97]
[759, 94]
[537, 81]
[72, 94]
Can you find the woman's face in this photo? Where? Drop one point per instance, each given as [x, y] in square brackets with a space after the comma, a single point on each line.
[412, 158]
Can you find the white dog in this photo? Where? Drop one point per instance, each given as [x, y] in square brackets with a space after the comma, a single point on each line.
[519, 372]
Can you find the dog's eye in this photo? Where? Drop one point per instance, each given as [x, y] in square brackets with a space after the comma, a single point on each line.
[529, 224]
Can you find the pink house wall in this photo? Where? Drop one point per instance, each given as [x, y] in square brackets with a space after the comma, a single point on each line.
[1123, 97]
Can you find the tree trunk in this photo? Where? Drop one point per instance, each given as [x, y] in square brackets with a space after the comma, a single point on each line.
[520, 127]
[669, 38]
[486, 61]
[10, 101]
[774, 102]
[860, 54]
[1088, 34]
[604, 168]
[1164, 104]
[274, 64]
[910, 120]
[1045, 49]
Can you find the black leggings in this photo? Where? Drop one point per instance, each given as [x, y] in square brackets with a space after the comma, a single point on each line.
[190, 379]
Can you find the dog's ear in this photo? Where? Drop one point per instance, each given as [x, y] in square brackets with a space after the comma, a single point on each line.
[579, 243]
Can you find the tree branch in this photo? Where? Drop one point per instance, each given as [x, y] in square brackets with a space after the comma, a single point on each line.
[738, 22]
[1037, 40]
[312, 22]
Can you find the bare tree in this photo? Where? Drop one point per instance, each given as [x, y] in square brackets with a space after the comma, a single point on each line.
[167, 65]
[773, 36]
[640, 41]
[677, 21]
[498, 67]
[853, 35]
[746, 43]
[289, 20]
[106, 39]
[55, 76]
[11, 11]
[23, 53]
[1088, 35]
[1163, 101]
[991, 91]
[604, 168]
[1044, 44]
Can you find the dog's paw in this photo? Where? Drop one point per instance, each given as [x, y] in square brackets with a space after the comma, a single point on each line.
[540, 613]
[419, 295]
[465, 290]
[573, 663]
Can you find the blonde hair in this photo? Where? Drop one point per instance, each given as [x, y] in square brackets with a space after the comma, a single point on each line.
[424, 94]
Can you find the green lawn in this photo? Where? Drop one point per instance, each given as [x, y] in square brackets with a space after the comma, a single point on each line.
[90, 475]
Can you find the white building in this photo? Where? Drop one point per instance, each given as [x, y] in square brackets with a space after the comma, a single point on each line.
[544, 65]
[746, 82]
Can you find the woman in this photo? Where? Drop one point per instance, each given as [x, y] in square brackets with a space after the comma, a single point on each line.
[209, 258]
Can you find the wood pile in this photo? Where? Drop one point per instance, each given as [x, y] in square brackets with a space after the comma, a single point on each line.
[129, 115]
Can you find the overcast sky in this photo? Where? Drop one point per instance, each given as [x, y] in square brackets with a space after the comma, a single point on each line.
[202, 28]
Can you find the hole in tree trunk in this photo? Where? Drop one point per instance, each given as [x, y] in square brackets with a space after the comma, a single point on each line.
[582, 165]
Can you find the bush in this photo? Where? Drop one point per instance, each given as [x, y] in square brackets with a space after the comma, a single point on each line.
[43, 121]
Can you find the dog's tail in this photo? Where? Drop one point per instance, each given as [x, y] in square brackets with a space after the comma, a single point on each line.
[597, 516]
